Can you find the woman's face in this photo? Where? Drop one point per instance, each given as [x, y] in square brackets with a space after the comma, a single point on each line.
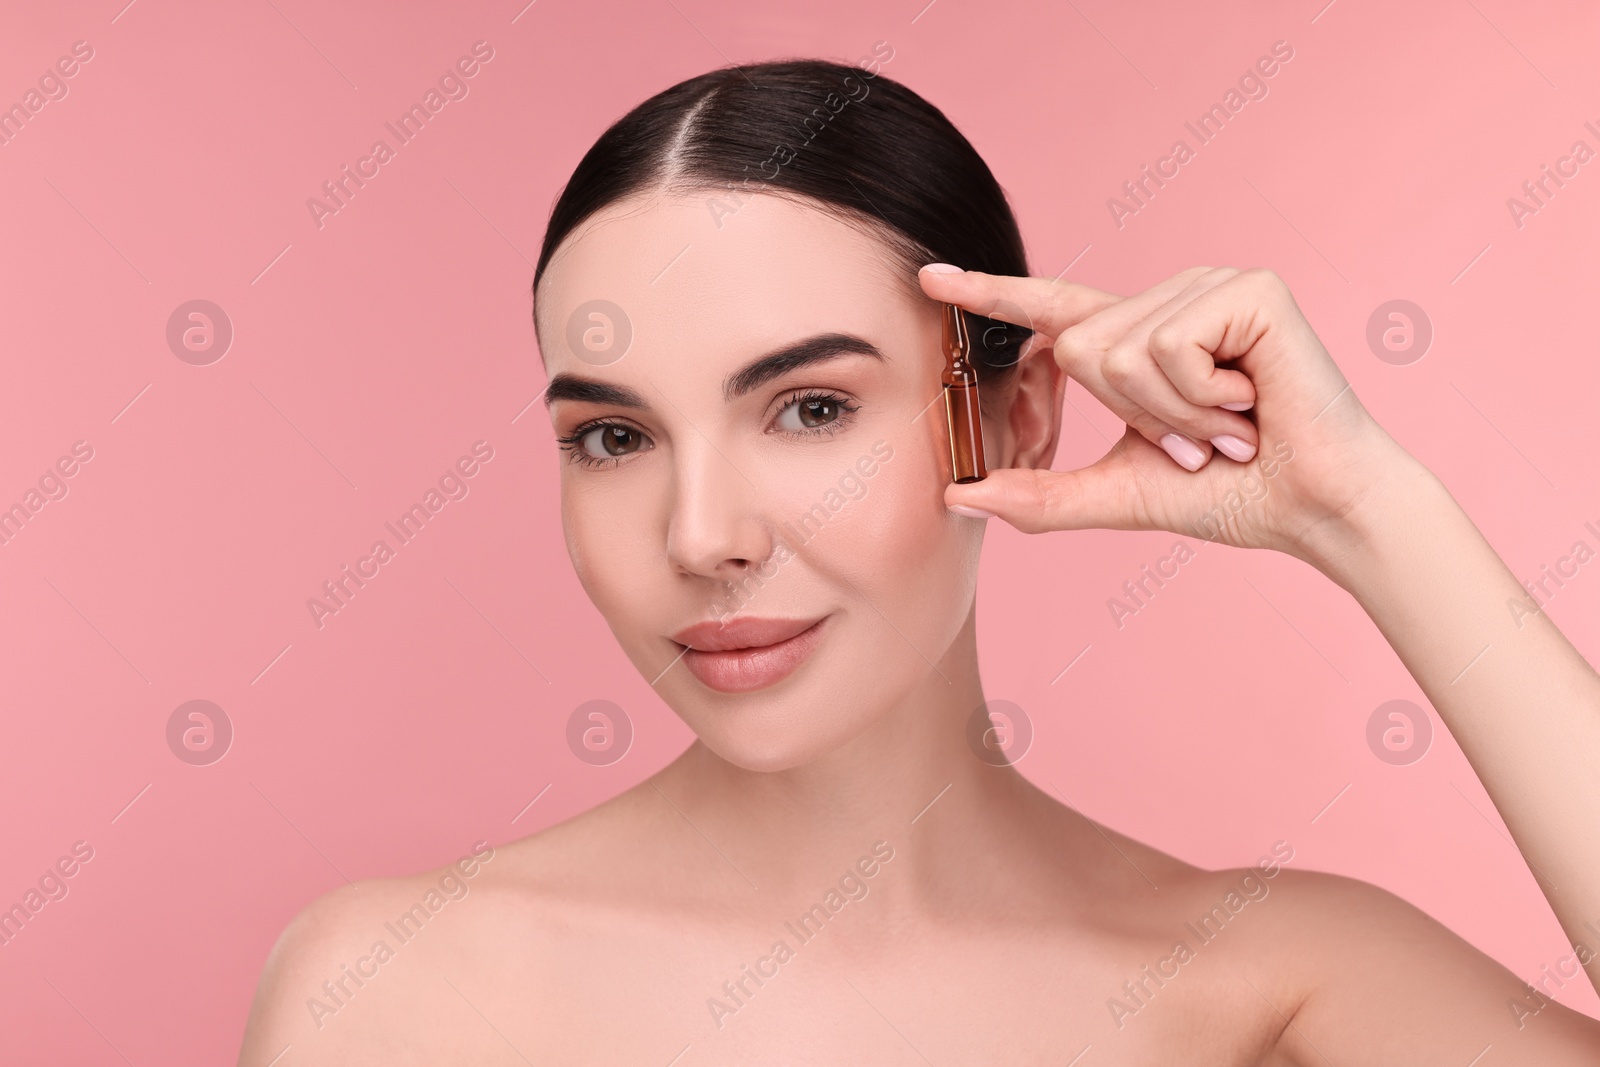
[749, 457]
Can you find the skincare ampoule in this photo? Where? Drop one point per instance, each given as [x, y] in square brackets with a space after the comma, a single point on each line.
[961, 400]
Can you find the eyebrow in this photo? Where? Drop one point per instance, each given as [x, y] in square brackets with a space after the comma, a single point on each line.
[775, 364]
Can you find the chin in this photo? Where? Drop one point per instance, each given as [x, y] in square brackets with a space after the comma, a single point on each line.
[770, 746]
[759, 759]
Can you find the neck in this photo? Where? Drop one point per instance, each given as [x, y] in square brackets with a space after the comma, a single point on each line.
[912, 779]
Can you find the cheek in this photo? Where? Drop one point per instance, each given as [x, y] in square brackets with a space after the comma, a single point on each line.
[913, 562]
[610, 554]
[924, 559]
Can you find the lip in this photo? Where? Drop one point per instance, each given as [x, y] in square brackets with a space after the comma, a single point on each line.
[747, 654]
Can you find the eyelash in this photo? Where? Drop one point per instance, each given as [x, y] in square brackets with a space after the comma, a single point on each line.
[846, 415]
[575, 453]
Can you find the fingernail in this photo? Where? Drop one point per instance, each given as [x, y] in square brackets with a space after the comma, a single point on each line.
[1239, 405]
[976, 513]
[942, 268]
[1184, 450]
[1233, 447]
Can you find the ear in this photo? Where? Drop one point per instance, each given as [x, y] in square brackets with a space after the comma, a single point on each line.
[1026, 420]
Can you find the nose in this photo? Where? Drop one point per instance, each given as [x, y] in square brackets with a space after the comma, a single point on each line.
[717, 528]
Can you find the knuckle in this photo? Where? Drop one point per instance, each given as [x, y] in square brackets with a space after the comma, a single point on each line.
[1119, 367]
[1164, 339]
[1265, 277]
[1074, 346]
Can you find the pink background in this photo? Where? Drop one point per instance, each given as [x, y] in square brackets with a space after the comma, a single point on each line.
[370, 353]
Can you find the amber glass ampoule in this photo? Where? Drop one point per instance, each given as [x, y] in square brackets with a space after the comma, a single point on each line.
[961, 400]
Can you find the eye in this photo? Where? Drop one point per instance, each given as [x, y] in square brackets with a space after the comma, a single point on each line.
[814, 412]
[600, 444]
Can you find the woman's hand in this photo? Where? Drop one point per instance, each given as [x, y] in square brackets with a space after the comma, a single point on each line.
[1180, 363]
[1518, 698]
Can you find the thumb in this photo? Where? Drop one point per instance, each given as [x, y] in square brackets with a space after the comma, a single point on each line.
[1103, 496]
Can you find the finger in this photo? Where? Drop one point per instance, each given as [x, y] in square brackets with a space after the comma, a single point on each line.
[1134, 376]
[1195, 377]
[1162, 410]
[1149, 426]
[1105, 495]
[1192, 368]
[1252, 318]
[1083, 347]
[1038, 500]
[1107, 355]
[1189, 450]
[1043, 305]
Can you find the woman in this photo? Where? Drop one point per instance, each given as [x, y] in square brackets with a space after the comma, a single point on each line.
[744, 363]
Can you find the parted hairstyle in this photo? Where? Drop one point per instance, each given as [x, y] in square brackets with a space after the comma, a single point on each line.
[846, 140]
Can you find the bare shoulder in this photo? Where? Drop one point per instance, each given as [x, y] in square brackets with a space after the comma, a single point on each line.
[1339, 969]
[1363, 976]
[375, 970]
[353, 959]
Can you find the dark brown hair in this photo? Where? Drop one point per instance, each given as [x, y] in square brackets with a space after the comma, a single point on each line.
[847, 139]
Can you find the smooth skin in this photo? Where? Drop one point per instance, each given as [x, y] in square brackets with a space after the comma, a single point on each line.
[975, 918]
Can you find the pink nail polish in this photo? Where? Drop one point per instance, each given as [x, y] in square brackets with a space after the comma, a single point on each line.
[942, 268]
[1232, 447]
[971, 512]
[1187, 454]
[1239, 405]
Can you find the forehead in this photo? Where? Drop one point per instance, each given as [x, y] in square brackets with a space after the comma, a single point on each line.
[706, 268]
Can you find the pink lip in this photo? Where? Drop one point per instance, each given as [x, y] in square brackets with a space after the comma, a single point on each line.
[746, 654]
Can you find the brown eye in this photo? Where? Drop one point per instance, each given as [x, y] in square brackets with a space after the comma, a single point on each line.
[806, 413]
[611, 441]
[817, 412]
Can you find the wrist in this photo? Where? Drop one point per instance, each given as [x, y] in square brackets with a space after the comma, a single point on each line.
[1404, 500]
